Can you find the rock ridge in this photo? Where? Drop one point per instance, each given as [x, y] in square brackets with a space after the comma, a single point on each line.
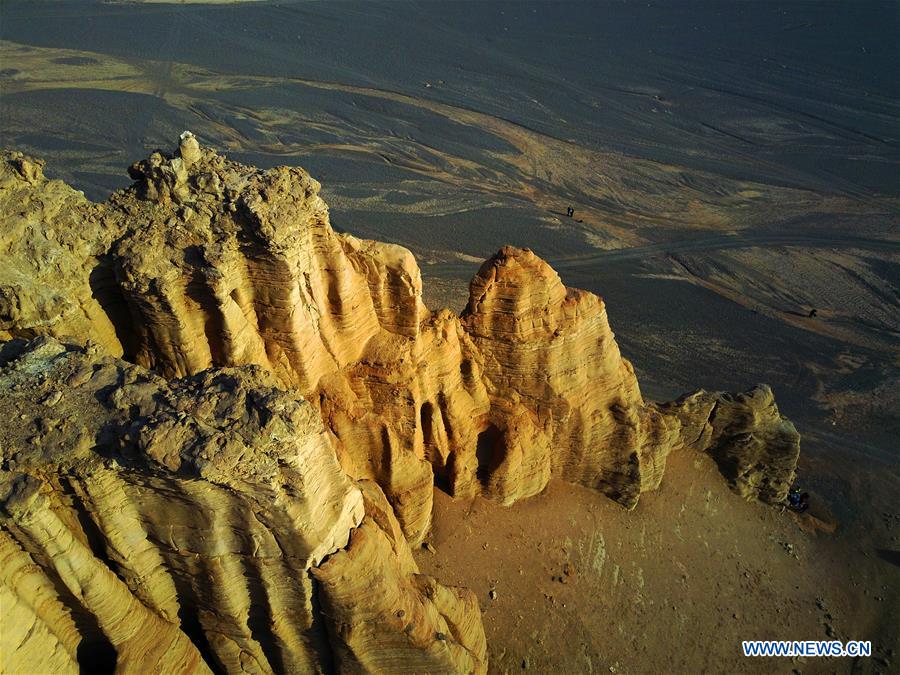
[206, 263]
[230, 419]
[199, 523]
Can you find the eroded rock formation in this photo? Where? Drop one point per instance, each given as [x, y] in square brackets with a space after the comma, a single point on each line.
[553, 367]
[205, 262]
[755, 447]
[248, 477]
[50, 241]
[204, 522]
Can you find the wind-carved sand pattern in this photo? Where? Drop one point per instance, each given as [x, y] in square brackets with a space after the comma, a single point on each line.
[617, 195]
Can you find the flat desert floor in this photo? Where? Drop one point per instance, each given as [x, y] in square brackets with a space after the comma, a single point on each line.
[732, 167]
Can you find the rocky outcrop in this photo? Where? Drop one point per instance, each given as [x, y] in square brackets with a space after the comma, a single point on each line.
[393, 619]
[199, 523]
[239, 490]
[208, 263]
[552, 365]
[755, 447]
[51, 241]
[565, 402]
[226, 265]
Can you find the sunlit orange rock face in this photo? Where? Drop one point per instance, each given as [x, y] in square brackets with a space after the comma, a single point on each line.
[199, 524]
[208, 263]
[247, 270]
[229, 364]
[552, 362]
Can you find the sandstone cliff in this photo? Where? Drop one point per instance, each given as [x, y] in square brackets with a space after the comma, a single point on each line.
[205, 262]
[565, 402]
[553, 366]
[205, 522]
[248, 477]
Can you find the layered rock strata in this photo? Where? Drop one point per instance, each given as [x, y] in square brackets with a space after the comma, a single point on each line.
[205, 262]
[239, 492]
[549, 351]
[565, 402]
[198, 524]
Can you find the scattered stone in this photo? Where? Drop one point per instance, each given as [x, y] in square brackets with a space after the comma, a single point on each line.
[80, 377]
[52, 398]
[189, 148]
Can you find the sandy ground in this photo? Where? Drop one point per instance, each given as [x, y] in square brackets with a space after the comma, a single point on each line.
[580, 585]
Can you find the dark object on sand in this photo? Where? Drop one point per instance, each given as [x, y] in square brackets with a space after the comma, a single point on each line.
[570, 211]
[812, 314]
[797, 501]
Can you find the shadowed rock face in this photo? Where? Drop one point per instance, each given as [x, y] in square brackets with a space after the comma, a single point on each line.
[755, 447]
[251, 478]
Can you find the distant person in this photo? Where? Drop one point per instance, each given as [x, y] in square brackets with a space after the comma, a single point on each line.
[812, 313]
[798, 501]
[570, 212]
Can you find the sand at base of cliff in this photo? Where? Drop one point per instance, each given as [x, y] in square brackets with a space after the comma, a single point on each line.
[581, 585]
